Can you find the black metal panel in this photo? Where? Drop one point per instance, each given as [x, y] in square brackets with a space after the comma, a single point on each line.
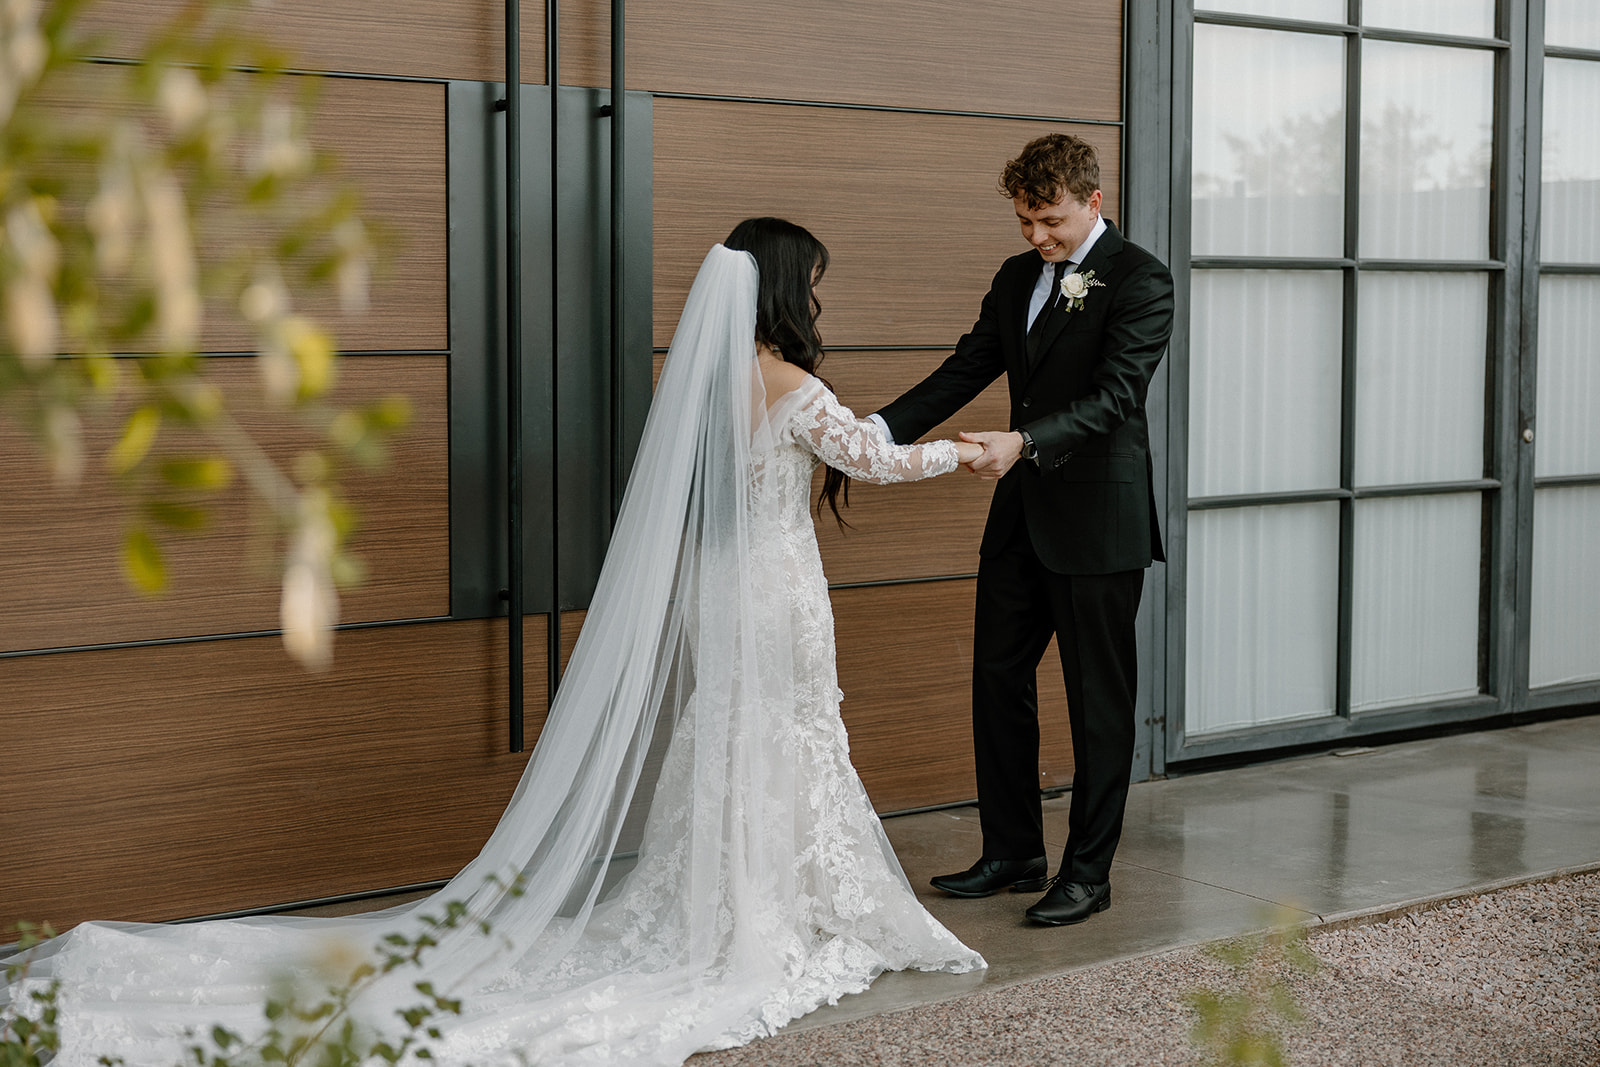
[570, 390]
[1147, 217]
[584, 417]
[476, 192]
[1524, 387]
[1174, 680]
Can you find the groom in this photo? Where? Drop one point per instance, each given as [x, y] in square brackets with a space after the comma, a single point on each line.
[1077, 324]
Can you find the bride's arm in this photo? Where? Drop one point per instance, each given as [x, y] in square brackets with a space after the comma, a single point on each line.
[856, 447]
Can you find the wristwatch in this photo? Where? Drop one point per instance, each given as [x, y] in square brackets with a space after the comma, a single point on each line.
[1030, 451]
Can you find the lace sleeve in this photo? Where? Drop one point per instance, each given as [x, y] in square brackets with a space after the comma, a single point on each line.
[834, 435]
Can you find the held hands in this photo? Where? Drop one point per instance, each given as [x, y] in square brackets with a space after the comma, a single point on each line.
[999, 450]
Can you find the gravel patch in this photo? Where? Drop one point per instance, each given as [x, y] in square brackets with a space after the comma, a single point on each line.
[1503, 979]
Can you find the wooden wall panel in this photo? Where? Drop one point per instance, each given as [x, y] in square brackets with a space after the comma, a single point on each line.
[155, 783]
[59, 548]
[905, 665]
[921, 529]
[457, 39]
[387, 140]
[1006, 57]
[905, 203]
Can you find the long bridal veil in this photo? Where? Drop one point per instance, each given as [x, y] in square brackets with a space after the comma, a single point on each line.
[653, 827]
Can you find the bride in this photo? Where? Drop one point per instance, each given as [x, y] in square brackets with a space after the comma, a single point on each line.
[700, 862]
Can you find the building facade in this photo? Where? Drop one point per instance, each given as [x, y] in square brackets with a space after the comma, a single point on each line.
[1374, 455]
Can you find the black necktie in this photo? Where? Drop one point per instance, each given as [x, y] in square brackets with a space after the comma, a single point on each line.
[1036, 331]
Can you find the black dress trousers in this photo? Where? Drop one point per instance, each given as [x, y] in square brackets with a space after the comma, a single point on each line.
[1020, 605]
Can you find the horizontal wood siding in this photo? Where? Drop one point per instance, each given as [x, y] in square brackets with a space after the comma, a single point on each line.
[181, 779]
[907, 205]
[60, 546]
[1005, 57]
[444, 39]
[905, 661]
[154, 783]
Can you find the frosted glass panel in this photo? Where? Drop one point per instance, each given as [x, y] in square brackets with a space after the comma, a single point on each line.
[1263, 615]
[1425, 151]
[1564, 643]
[1572, 23]
[1463, 18]
[1414, 633]
[1268, 143]
[1315, 10]
[1420, 351]
[1264, 381]
[1569, 228]
[1568, 441]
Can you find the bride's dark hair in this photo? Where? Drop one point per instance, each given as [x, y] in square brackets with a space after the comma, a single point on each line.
[789, 260]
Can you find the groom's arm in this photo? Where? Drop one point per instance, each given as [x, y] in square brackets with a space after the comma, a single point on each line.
[976, 362]
[1132, 344]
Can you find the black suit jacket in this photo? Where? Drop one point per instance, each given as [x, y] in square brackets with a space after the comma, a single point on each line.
[1088, 503]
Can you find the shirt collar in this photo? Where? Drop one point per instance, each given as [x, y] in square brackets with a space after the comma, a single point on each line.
[1082, 251]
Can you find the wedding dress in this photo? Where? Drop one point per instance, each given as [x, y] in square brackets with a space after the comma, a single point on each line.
[701, 861]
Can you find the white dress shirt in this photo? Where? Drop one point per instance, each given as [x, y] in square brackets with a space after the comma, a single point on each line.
[1041, 293]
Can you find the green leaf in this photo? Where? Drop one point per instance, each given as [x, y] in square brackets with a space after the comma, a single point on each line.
[138, 434]
[390, 413]
[176, 516]
[142, 562]
[205, 474]
[222, 1037]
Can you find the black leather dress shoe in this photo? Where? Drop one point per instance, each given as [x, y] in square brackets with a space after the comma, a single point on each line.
[1070, 902]
[987, 877]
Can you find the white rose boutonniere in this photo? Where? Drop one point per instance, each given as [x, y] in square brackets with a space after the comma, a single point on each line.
[1075, 286]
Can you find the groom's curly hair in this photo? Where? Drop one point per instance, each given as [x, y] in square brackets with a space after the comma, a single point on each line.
[1050, 166]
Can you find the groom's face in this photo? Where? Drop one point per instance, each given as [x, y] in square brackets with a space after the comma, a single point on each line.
[1056, 230]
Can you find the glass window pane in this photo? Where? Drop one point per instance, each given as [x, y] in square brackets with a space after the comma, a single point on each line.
[1463, 18]
[1314, 10]
[1420, 378]
[1426, 116]
[1268, 143]
[1568, 441]
[1564, 642]
[1569, 228]
[1264, 378]
[1263, 615]
[1572, 23]
[1414, 633]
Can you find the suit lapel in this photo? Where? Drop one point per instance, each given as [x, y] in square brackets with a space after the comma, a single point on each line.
[1019, 292]
[1099, 260]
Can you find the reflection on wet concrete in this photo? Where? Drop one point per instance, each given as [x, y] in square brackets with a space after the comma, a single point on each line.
[1498, 837]
[1217, 854]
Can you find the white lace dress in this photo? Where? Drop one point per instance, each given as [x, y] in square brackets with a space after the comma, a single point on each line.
[855, 915]
[846, 912]
[843, 914]
[763, 887]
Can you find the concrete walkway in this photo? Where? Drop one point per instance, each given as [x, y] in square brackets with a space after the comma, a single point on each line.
[1361, 832]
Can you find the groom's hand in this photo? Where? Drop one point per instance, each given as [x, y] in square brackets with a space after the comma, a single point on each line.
[1000, 450]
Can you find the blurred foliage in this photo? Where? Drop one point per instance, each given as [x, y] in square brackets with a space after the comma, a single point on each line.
[141, 204]
[29, 1033]
[1243, 1023]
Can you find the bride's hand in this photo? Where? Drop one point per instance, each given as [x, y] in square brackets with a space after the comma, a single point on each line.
[966, 452]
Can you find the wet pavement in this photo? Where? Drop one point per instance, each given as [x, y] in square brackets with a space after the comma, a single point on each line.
[1331, 836]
